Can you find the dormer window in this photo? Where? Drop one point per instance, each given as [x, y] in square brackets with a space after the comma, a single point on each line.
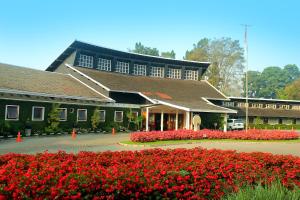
[139, 70]
[104, 64]
[191, 75]
[86, 61]
[174, 73]
[122, 67]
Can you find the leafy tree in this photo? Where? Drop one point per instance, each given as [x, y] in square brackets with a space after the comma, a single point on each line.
[271, 82]
[291, 91]
[141, 49]
[95, 119]
[168, 54]
[226, 57]
[53, 119]
[291, 72]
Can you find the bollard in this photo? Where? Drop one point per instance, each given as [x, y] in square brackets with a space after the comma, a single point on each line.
[113, 131]
[73, 134]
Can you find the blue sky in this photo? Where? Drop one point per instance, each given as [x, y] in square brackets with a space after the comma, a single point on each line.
[33, 32]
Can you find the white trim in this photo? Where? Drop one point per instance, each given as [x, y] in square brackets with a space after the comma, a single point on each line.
[215, 89]
[116, 115]
[144, 96]
[263, 99]
[115, 105]
[91, 88]
[198, 110]
[12, 91]
[33, 110]
[18, 111]
[86, 76]
[139, 93]
[66, 112]
[32, 113]
[104, 115]
[85, 115]
[173, 105]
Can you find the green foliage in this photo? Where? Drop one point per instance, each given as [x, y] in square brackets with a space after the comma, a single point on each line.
[53, 119]
[95, 119]
[276, 126]
[291, 91]
[168, 54]
[226, 57]
[141, 49]
[272, 81]
[276, 191]
[257, 120]
[138, 121]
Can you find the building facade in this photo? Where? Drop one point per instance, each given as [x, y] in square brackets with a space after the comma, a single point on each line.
[265, 111]
[87, 79]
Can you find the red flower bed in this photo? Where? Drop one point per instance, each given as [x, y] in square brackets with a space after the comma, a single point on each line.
[213, 134]
[180, 173]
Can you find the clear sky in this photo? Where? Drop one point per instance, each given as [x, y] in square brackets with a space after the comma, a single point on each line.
[34, 32]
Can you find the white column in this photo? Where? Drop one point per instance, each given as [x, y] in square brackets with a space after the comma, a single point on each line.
[176, 121]
[147, 119]
[187, 120]
[162, 121]
[225, 122]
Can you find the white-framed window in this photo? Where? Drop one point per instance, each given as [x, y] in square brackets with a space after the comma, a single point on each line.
[12, 112]
[104, 64]
[228, 104]
[38, 113]
[157, 72]
[122, 67]
[174, 73]
[118, 116]
[62, 114]
[86, 61]
[102, 114]
[81, 115]
[139, 70]
[191, 75]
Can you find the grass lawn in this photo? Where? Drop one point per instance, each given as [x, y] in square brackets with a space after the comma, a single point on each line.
[170, 142]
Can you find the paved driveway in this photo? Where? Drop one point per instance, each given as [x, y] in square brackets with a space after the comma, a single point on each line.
[105, 142]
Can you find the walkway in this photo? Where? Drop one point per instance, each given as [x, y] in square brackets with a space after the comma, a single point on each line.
[105, 142]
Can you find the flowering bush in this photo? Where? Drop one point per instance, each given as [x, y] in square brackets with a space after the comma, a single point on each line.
[149, 174]
[213, 134]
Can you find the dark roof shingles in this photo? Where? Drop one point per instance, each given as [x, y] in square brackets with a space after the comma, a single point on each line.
[31, 80]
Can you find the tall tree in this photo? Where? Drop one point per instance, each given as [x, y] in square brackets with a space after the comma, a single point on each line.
[271, 82]
[141, 49]
[226, 57]
[291, 91]
[168, 54]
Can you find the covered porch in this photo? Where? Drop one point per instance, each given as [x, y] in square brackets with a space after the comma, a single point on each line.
[159, 117]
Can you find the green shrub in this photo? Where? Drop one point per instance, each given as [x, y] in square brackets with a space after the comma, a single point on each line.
[276, 126]
[53, 119]
[276, 191]
[95, 119]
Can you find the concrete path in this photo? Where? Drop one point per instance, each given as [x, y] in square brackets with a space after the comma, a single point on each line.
[108, 142]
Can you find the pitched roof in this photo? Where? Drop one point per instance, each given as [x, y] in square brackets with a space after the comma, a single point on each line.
[23, 80]
[122, 54]
[186, 93]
